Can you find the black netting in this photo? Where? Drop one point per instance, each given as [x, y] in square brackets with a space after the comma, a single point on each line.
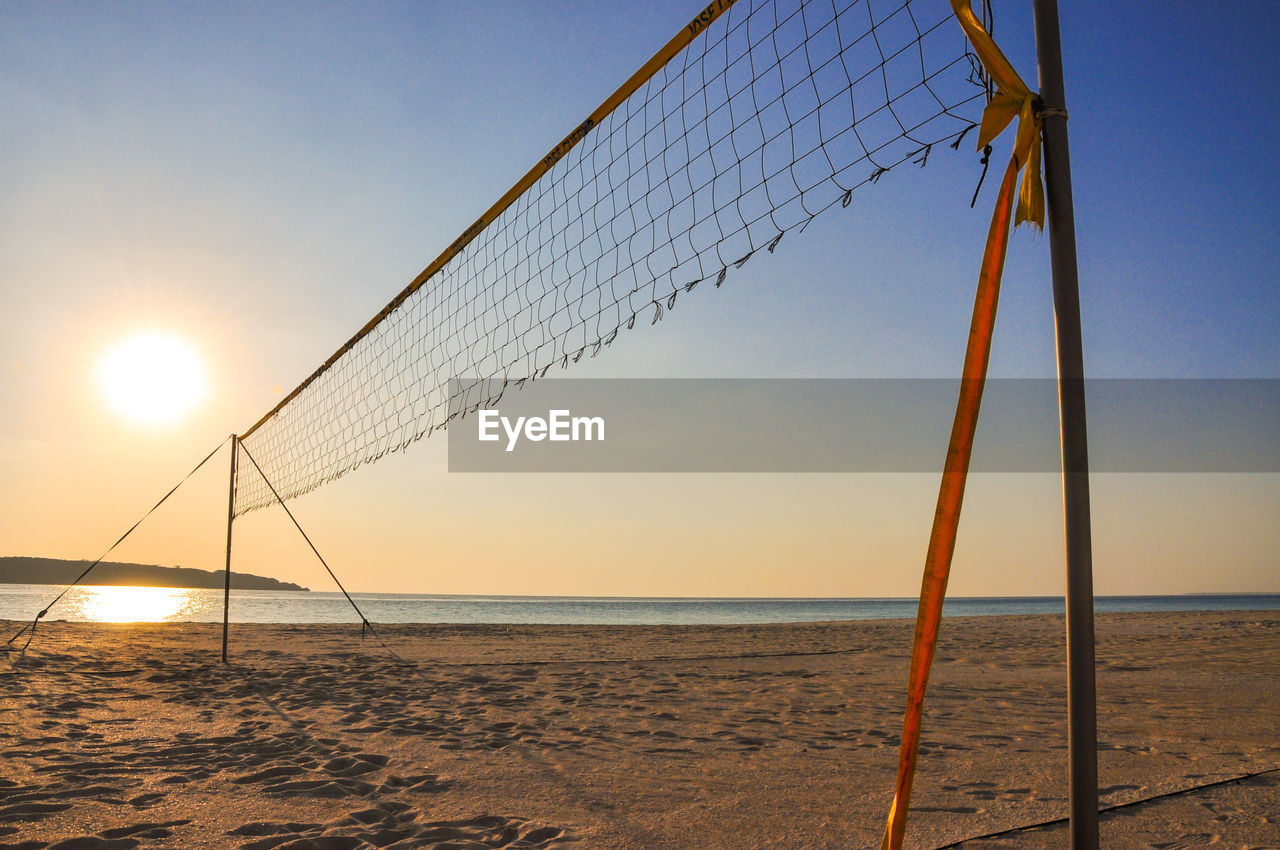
[775, 113]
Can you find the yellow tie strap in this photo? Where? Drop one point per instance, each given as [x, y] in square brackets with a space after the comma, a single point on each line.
[1012, 98]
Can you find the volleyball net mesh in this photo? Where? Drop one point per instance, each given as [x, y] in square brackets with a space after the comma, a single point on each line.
[776, 112]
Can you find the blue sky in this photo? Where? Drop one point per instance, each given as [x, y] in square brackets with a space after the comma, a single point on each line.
[261, 179]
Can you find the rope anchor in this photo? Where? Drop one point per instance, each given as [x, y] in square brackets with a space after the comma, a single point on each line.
[364, 621]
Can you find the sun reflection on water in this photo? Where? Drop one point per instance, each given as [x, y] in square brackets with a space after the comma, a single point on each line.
[130, 604]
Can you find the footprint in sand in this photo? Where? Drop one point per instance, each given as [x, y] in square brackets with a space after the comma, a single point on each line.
[390, 823]
[1188, 842]
[31, 811]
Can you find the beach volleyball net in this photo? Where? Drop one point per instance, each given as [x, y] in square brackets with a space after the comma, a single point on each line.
[758, 116]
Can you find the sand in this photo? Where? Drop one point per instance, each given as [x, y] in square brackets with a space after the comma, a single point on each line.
[629, 737]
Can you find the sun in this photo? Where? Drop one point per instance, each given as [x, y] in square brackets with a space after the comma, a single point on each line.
[151, 378]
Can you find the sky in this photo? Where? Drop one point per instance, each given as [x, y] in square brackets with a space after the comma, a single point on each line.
[257, 181]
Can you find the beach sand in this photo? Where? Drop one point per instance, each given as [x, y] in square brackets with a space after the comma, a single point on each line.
[629, 737]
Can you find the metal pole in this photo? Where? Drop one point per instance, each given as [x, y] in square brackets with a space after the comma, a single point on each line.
[231, 514]
[1082, 725]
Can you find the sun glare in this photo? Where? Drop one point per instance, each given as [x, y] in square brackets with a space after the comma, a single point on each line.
[152, 378]
[133, 604]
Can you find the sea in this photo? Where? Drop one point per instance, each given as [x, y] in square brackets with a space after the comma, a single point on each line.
[167, 604]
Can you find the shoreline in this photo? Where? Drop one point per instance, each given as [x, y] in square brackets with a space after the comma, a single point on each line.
[776, 735]
[205, 605]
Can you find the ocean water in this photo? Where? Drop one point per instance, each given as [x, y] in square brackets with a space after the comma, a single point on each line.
[156, 604]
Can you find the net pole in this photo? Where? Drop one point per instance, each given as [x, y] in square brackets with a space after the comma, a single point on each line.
[231, 515]
[678, 42]
[1082, 724]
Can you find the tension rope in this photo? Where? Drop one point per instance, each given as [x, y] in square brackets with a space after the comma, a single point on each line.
[365, 625]
[31, 627]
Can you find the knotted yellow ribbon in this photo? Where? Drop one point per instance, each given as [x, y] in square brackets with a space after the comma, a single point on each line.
[1012, 98]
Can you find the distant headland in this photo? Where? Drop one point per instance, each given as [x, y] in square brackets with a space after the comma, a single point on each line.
[20, 570]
